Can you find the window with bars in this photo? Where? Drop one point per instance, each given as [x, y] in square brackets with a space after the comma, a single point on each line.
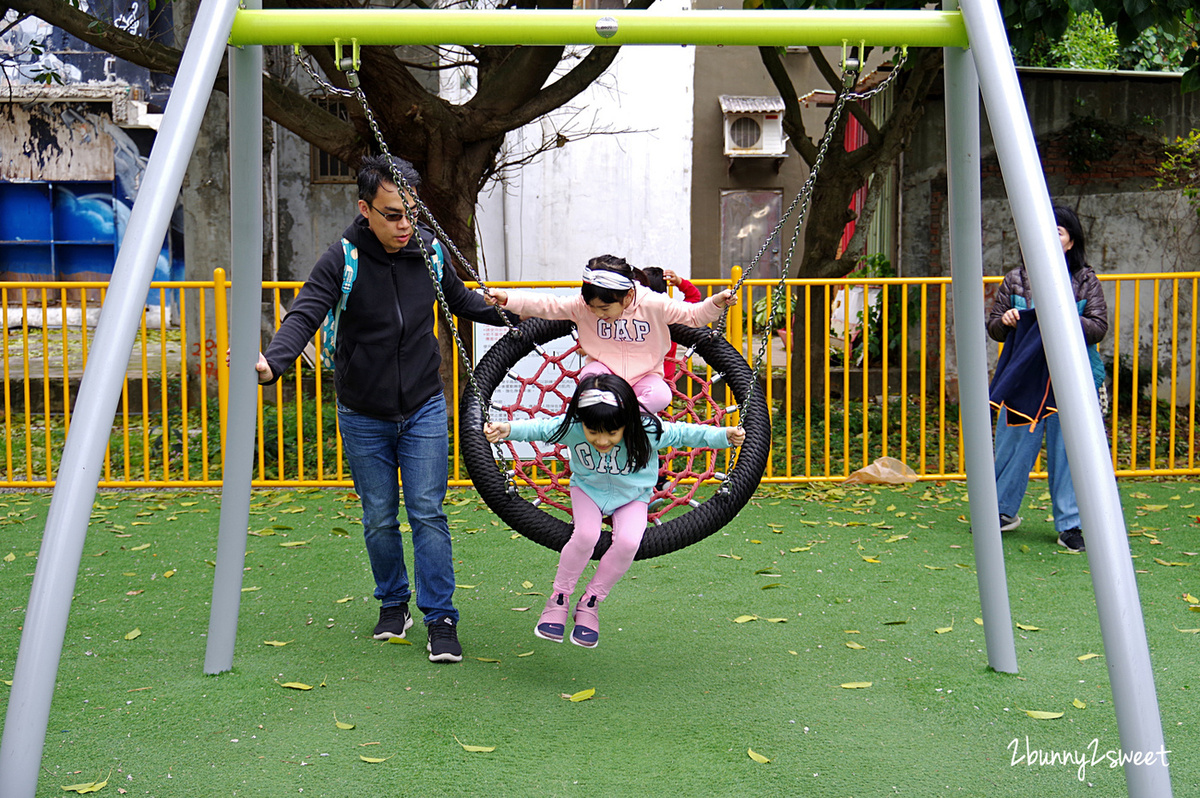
[325, 167]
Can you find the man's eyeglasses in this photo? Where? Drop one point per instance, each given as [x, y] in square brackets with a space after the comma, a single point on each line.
[389, 217]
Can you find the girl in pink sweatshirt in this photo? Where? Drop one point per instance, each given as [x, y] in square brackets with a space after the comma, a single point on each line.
[622, 330]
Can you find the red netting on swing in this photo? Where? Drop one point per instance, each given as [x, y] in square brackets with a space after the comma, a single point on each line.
[543, 468]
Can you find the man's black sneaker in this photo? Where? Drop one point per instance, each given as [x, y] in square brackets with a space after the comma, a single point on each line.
[443, 641]
[1009, 522]
[394, 621]
[1072, 539]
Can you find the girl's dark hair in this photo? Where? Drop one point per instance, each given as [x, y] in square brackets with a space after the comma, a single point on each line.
[1076, 256]
[610, 263]
[606, 418]
[375, 170]
[656, 281]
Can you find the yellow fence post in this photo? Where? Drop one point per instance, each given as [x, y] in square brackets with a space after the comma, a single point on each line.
[736, 335]
[220, 311]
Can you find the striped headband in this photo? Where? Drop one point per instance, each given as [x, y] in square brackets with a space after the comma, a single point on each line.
[605, 278]
[595, 396]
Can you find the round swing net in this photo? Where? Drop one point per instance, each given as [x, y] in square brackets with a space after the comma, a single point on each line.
[701, 489]
[695, 497]
[543, 470]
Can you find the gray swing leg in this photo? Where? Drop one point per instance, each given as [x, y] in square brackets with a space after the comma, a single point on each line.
[49, 605]
[1126, 650]
[966, 263]
[246, 238]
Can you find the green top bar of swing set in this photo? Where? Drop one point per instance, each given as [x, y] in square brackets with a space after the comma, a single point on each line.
[511, 27]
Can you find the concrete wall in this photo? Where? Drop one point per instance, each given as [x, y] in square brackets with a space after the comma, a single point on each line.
[620, 185]
[738, 71]
[1131, 225]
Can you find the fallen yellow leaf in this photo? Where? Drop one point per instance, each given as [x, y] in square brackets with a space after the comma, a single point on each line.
[400, 641]
[475, 749]
[342, 724]
[168, 574]
[745, 618]
[142, 547]
[10, 557]
[277, 643]
[295, 685]
[1029, 628]
[757, 757]
[1085, 657]
[527, 584]
[855, 646]
[91, 786]
[136, 633]
[582, 695]
[1078, 704]
[855, 685]
[373, 759]
[1037, 714]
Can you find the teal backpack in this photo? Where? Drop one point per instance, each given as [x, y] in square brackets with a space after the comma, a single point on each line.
[329, 327]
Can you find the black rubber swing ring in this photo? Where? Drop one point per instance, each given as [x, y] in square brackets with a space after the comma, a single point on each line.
[682, 530]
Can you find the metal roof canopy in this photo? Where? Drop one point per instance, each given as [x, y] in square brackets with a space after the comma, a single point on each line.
[520, 27]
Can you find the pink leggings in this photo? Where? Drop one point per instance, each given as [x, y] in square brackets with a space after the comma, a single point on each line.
[629, 524]
[652, 390]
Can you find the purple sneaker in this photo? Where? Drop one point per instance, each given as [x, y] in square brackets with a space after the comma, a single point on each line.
[553, 623]
[587, 622]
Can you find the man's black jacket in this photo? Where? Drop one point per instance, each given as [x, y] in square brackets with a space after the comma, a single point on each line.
[387, 358]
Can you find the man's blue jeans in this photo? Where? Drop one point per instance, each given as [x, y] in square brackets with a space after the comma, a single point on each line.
[418, 449]
[1016, 451]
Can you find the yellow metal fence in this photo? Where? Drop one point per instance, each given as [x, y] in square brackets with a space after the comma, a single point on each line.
[846, 386]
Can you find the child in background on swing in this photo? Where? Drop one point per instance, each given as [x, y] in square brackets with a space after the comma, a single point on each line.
[622, 330]
[659, 281]
[612, 448]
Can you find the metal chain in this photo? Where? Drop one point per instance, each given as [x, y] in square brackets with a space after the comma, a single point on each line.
[409, 194]
[778, 295]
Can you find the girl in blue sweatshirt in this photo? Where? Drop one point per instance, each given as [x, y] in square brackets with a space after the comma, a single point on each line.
[612, 448]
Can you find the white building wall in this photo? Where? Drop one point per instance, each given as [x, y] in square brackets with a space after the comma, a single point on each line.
[624, 190]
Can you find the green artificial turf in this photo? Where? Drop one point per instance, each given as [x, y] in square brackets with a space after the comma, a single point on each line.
[682, 690]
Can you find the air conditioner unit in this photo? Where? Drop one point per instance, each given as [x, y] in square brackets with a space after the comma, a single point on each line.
[754, 127]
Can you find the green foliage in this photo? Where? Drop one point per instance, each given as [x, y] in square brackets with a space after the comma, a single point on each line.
[1180, 169]
[1156, 50]
[776, 319]
[1160, 35]
[1087, 44]
[879, 336]
[849, 422]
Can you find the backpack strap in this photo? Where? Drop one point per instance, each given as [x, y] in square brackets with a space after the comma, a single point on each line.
[438, 257]
[329, 327]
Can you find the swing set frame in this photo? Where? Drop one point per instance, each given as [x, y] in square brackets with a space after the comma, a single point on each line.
[977, 63]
